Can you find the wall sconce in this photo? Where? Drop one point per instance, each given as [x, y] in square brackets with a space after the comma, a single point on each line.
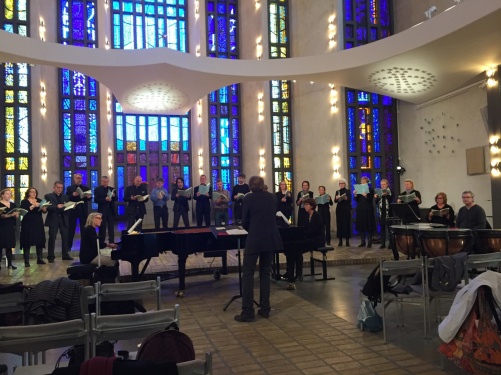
[108, 105]
[260, 107]
[41, 30]
[258, 4]
[201, 161]
[106, 4]
[400, 170]
[332, 31]
[107, 44]
[429, 12]
[110, 161]
[336, 162]
[261, 163]
[491, 77]
[197, 51]
[199, 110]
[43, 163]
[197, 9]
[333, 98]
[43, 94]
[495, 161]
[259, 48]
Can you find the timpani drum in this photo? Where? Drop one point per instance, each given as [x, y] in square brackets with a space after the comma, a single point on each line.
[404, 240]
[444, 241]
[487, 240]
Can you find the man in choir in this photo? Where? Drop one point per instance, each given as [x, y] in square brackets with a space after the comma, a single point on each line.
[159, 197]
[221, 204]
[57, 220]
[471, 215]
[237, 194]
[105, 196]
[203, 202]
[135, 195]
[74, 193]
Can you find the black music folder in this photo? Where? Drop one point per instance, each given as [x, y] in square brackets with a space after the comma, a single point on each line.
[405, 213]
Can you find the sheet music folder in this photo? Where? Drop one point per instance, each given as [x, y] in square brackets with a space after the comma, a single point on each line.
[405, 213]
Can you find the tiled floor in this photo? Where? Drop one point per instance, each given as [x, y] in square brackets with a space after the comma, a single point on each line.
[310, 331]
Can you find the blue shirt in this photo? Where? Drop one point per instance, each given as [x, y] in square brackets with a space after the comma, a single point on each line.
[157, 201]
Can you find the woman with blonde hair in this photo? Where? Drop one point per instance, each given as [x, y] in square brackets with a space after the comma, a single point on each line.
[89, 253]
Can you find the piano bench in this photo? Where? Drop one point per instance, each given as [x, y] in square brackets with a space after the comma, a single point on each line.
[78, 271]
[323, 250]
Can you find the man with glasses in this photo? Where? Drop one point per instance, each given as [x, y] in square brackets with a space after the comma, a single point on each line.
[471, 215]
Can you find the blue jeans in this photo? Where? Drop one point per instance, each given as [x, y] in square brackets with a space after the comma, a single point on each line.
[248, 267]
[221, 216]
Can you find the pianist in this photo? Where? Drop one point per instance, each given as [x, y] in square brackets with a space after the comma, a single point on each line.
[88, 243]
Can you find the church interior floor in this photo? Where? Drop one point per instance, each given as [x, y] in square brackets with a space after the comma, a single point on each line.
[311, 330]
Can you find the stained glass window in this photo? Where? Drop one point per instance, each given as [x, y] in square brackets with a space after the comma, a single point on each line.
[370, 118]
[280, 94]
[15, 152]
[148, 145]
[79, 95]
[224, 104]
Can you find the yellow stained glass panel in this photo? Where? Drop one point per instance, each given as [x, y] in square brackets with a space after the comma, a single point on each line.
[10, 164]
[23, 163]
[9, 96]
[9, 9]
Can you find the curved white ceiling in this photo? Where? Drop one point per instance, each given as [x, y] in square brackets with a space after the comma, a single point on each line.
[431, 59]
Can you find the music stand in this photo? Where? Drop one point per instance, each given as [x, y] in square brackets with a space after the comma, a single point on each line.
[405, 213]
[232, 230]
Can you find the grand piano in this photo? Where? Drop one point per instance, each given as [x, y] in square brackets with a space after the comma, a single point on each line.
[135, 248]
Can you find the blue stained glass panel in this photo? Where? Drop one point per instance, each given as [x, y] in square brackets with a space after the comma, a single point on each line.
[377, 163]
[352, 134]
[387, 100]
[224, 136]
[353, 162]
[377, 178]
[351, 97]
[364, 97]
[78, 20]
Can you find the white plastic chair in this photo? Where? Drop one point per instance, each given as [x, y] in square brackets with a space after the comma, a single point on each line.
[130, 326]
[127, 291]
[479, 261]
[196, 367]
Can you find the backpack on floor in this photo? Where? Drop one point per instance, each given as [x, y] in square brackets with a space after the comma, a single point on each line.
[368, 318]
[169, 345]
[372, 288]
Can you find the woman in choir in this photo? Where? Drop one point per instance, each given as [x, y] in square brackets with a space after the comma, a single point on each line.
[343, 212]
[181, 206]
[284, 200]
[383, 204]
[301, 196]
[441, 212]
[32, 228]
[88, 243]
[365, 220]
[7, 226]
[325, 213]
[315, 238]
[414, 204]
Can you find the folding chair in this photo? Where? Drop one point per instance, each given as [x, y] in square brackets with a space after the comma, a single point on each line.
[32, 339]
[479, 261]
[196, 367]
[416, 297]
[130, 326]
[127, 291]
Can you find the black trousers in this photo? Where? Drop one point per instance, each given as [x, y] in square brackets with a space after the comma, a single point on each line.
[160, 212]
[52, 240]
[183, 212]
[203, 215]
[72, 226]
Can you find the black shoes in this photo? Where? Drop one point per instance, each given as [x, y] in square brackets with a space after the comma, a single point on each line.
[244, 319]
[12, 267]
[51, 260]
[264, 314]
[347, 243]
[26, 263]
[40, 261]
[362, 244]
[67, 257]
[340, 243]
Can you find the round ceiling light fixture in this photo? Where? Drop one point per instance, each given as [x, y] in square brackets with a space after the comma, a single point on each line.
[157, 97]
[403, 80]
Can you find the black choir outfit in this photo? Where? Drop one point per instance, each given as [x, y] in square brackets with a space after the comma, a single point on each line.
[284, 207]
[414, 216]
[343, 215]
[302, 216]
[135, 209]
[80, 212]
[365, 221]
[32, 231]
[448, 221]
[237, 203]
[471, 218]
[384, 210]
[57, 220]
[181, 207]
[203, 206]
[107, 211]
[8, 233]
[325, 214]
